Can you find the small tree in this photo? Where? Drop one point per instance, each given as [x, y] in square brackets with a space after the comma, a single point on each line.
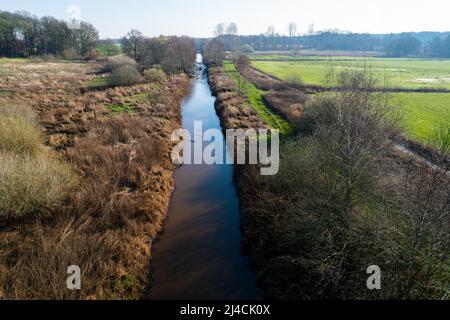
[219, 30]
[292, 29]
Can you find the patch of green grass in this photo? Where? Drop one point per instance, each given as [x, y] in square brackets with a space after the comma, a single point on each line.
[4, 93]
[130, 103]
[116, 109]
[255, 98]
[423, 113]
[99, 82]
[402, 73]
[15, 60]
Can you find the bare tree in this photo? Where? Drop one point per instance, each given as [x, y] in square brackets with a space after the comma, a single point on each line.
[292, 29]
[232, 29]
[133, 43]
[214, 52]
[219, 30]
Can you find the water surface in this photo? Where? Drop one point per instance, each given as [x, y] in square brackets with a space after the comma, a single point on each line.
[198, 255]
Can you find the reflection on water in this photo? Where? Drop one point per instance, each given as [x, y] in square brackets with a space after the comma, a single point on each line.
[198, 256]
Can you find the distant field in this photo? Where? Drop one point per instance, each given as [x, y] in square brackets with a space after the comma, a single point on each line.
[402, 73]
[423, 112]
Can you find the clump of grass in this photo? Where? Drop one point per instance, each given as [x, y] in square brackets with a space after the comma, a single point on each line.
[29, 184]
[155, 75]
[18, 130]
[125, 75]
[31, 180]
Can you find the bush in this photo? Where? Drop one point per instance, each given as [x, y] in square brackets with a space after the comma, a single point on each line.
[29, 184]
[155, 75]
[117, 61]
[295, 81]
[125, 75]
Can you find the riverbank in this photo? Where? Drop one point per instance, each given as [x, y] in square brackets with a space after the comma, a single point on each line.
[117, 141]
[312, 236]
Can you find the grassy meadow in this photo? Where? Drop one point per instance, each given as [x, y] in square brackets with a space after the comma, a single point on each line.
[423, 112]
[400, 73]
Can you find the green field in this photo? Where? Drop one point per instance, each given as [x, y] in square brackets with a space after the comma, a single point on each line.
[255, 97]
[423, 113]
[401, 73]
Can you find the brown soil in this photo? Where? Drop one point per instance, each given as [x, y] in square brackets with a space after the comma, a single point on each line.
[126, 179]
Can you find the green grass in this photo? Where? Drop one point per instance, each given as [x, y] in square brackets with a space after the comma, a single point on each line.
[423, 113]
[15, 60]
[129, 104]
[255, 98]
[5, 93]
[402, 73]
[99, 82]
[117, 109]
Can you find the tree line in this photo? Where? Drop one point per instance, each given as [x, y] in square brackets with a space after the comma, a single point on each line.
[395, 45]
[172, 54]
[24, 35]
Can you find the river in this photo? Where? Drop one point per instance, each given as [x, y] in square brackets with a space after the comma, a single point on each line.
[198, 255]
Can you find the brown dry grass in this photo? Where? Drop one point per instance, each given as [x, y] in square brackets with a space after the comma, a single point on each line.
[233, 109]
[261, 80]
[125, 171]
[289, 103]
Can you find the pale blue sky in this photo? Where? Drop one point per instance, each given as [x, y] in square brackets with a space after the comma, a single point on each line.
[198, 17]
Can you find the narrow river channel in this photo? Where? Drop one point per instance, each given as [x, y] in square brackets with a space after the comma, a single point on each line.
[198, 255]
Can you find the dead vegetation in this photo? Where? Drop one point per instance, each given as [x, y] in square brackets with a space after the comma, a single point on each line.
[261, 80]
[288, 103]
[345, 200]
[124, 171]
[233, 109]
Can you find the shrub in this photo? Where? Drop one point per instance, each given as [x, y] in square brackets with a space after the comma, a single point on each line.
[29, 184]
[125, 75]
[117, 61]
[295, 81]
[155, 75]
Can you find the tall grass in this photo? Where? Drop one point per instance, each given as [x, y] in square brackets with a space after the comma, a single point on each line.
[30, 184]
[31, 179]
